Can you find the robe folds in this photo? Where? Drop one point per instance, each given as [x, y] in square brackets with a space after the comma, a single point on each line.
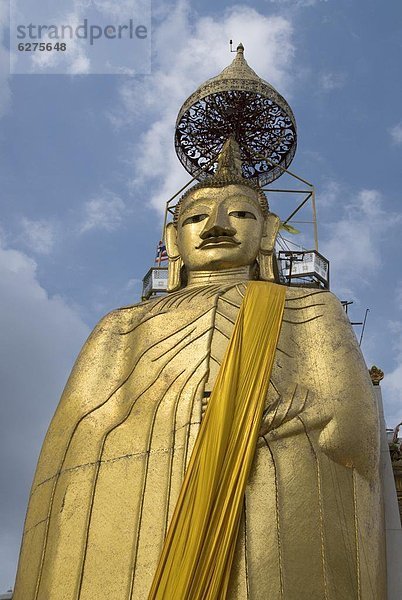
[114, 457]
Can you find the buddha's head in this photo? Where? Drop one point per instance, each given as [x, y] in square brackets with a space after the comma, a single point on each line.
[222, 223]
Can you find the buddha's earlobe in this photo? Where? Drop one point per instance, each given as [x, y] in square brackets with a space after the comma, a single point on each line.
[175, 263]
[266, 257]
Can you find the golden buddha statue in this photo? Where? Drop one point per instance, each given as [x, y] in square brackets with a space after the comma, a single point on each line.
[114, 459]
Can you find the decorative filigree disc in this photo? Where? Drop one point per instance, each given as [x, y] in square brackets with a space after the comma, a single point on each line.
[260, 126]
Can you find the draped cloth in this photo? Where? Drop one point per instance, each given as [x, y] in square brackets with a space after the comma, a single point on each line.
[198, 551]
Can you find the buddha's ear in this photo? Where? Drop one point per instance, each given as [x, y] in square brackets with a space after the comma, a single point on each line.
[171, 241]
[175, 261]
[270, 230]
[268, 270]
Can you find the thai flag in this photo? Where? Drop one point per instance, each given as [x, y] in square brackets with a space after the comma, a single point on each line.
[161, 253]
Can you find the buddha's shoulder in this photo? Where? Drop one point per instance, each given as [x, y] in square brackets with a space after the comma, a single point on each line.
[312, 305]
[123, 318]
[317, 307]
[305, 296]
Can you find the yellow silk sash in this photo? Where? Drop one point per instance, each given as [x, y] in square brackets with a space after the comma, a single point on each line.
[198, 552]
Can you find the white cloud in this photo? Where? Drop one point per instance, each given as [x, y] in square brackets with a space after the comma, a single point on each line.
[398, 295]
[396, 133]
[38, 236]
[73, 62]
[355, 239]
[395, 328]
[41, 335]
[329, 193]
[188, 53]
[80, 57]
[105, 212]
[332, 81]
[301, 3]
[80, 65]
[117, 10]
[133, 283]
[392, 382]
[392, 389]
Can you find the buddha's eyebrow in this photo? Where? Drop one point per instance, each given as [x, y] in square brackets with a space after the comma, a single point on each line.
[252, 201]
[194, 204]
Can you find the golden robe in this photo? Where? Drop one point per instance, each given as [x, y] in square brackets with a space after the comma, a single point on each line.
[113, 460]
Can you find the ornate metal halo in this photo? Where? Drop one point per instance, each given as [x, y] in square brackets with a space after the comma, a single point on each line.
[240, 104]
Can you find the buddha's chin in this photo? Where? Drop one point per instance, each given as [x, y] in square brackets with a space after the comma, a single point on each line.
[216, 258]
[220, 264]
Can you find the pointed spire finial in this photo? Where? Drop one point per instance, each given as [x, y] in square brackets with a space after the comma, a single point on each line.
[229, 161]
[236, 101]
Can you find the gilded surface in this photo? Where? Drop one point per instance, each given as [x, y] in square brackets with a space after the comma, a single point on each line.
[113, 460]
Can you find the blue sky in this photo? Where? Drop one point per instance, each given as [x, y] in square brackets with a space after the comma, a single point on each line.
[87, 163]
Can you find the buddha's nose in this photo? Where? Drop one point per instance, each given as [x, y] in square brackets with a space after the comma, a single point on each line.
[218, 225]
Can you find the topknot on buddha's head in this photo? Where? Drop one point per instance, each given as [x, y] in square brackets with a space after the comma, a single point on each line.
[229, 172]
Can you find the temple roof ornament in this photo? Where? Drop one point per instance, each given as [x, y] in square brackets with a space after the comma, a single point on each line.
[236, 103]
[376, 375]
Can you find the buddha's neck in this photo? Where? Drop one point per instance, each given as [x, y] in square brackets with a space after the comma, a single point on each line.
[217, 277]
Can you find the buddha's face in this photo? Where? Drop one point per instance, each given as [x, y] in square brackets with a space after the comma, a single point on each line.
[220, 228]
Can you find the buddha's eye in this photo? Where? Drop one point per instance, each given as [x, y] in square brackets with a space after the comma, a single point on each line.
[194, 219]
[242, 214]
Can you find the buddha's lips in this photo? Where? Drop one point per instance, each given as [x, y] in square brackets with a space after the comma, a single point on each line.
[221, 240]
